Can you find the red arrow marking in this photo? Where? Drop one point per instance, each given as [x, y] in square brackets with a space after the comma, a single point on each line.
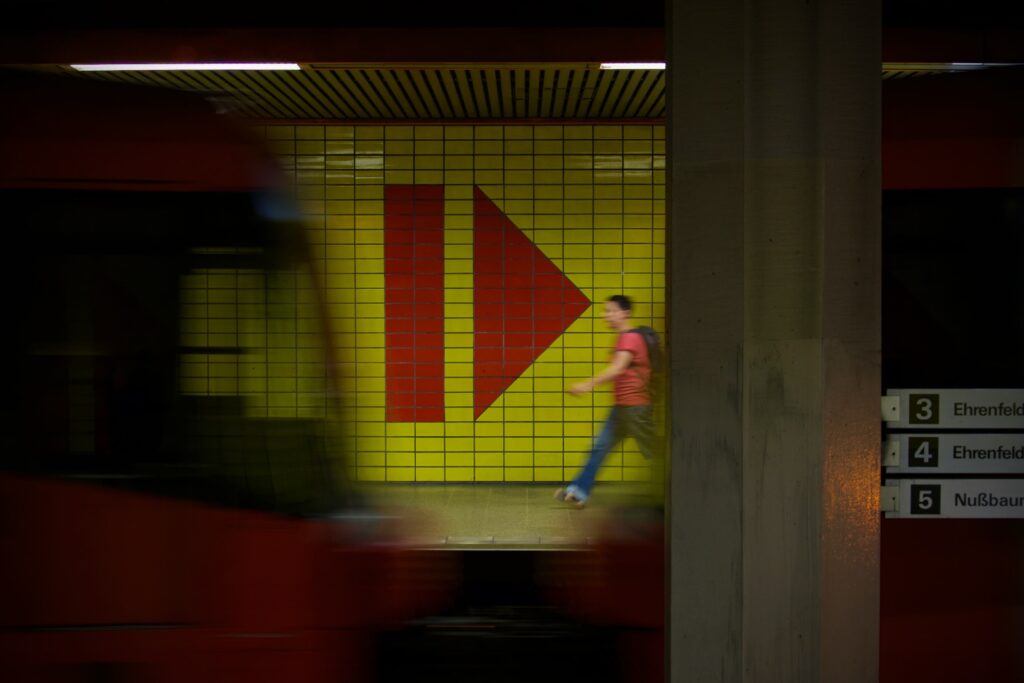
[522, 302]
[414, 302]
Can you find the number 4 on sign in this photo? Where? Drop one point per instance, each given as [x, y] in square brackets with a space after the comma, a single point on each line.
[924, 451]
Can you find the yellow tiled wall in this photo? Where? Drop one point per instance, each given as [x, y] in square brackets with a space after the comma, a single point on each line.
[272, 317]
[590, 197]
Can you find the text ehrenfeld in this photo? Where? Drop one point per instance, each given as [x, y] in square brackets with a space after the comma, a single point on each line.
[963, 409]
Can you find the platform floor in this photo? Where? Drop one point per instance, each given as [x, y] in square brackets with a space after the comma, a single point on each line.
[505, 515]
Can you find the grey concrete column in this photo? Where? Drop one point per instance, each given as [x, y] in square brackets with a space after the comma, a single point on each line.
[774, 243]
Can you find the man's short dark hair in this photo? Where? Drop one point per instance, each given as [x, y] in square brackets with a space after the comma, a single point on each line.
[622, 301]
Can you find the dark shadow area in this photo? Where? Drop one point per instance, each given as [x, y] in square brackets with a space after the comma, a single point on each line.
[953, 288]
[952, 602]
[501, 627]
[593, 613]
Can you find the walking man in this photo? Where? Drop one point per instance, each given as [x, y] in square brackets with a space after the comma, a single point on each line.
[630, 370]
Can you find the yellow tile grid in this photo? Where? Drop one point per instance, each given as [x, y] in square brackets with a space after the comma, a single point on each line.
[251, 335]
[591, 197]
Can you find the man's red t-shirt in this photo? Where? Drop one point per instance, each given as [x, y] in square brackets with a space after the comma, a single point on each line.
[631, 384]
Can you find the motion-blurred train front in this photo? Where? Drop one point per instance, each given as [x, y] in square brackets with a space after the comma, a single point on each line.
[155, 526]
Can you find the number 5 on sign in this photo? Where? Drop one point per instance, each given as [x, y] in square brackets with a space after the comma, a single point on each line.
[926, 499]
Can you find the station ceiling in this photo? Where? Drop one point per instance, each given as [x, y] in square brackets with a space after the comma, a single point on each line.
[505, 69]
[418, 92]
[454, 92]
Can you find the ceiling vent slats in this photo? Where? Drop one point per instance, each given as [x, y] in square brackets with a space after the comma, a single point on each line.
[441, 92]
[313, 92]
[446, 83]
[415, 92]
[369, 88]
[334, 92]
[652, 98]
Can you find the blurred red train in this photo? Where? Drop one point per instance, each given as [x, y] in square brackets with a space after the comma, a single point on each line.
[149, 534]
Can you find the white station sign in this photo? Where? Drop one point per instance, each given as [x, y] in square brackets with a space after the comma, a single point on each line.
[954, 408]
[954, 453]
[962, 498]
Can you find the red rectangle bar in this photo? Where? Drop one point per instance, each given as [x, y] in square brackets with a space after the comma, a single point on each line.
[414, 227]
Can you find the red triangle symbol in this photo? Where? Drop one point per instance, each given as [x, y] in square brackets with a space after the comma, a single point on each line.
[522, 302]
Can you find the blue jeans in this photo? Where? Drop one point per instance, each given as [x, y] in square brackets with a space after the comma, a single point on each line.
[622, 421]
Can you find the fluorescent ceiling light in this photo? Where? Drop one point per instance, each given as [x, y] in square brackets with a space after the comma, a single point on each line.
[633, 65]
[942, 67]
[215, 66]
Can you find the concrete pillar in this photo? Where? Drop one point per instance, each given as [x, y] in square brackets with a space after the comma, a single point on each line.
[774, 243]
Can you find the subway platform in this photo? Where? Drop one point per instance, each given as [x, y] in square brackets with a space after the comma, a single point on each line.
[509, 516]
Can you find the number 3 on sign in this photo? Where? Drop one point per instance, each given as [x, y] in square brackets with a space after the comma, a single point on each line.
[924, 409]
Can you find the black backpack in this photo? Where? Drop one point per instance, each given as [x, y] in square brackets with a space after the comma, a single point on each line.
[653, 346]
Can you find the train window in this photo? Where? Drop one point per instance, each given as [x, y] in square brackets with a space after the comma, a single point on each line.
[165, 341]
